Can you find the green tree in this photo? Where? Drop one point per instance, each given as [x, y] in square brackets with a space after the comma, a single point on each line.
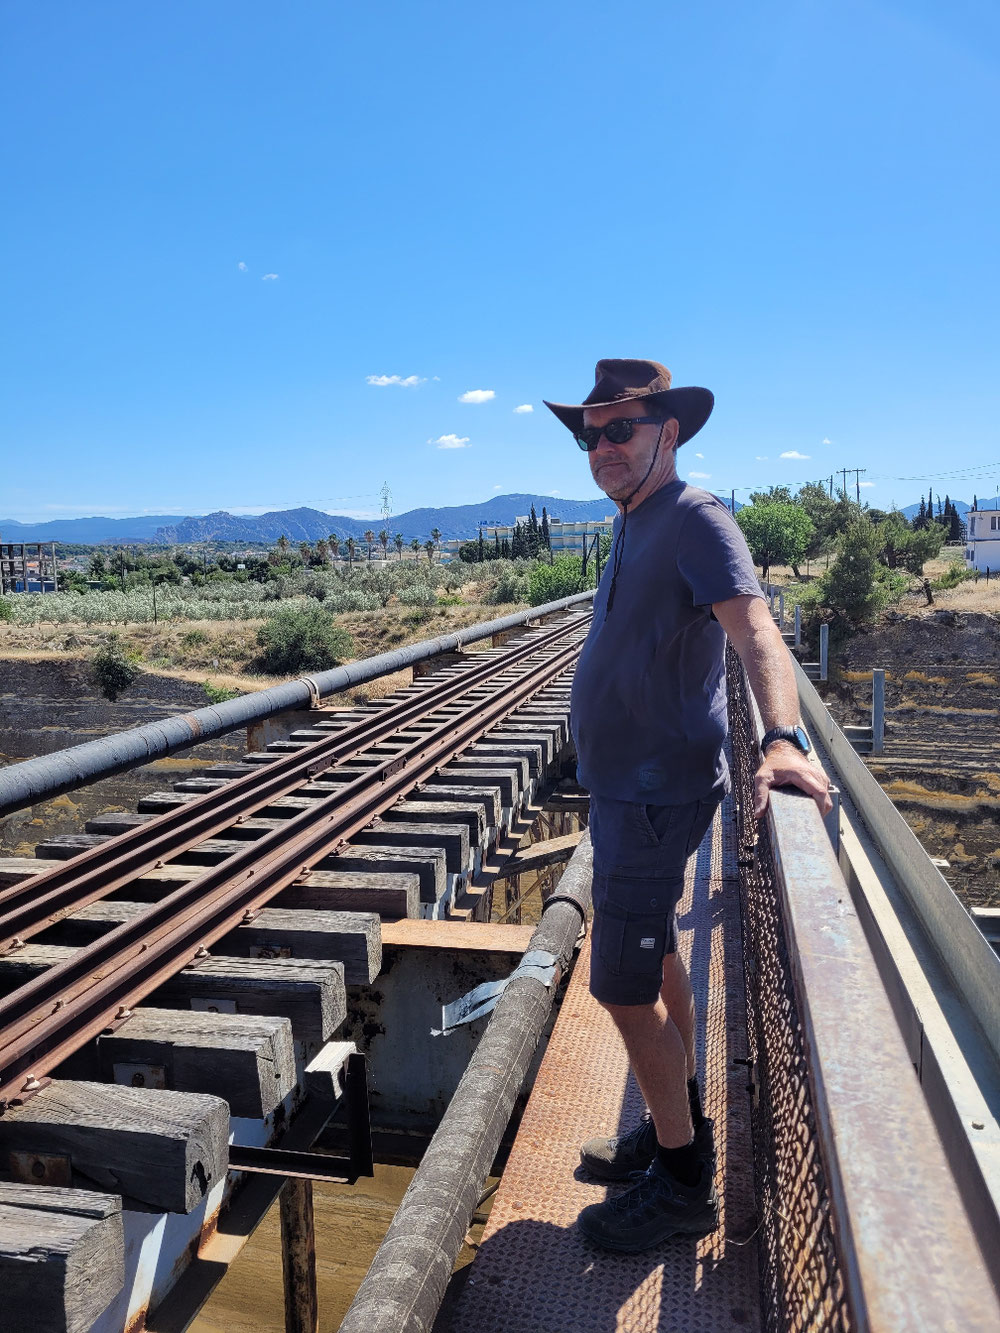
[435, 542]
[115, 667]
[302, 639]
[369, 542]
[548, 583]
[397, 541]
[384, 542]
[468, 552]
[351, 545]
[415, 547]
[857, 586]
[429, 548]
[776, 533]
[819, 504]
[480, 547]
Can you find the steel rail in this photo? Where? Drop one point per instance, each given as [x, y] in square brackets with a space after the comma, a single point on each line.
[50, 1017]
[41, 901]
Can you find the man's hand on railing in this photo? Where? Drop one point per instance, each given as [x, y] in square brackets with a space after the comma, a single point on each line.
[787, 766]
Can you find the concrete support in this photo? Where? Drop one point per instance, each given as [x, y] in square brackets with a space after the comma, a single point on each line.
[798, 625]
[824, 652]
[781, 609]
[878, 710]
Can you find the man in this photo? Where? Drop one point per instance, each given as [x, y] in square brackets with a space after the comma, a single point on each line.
[649, 722]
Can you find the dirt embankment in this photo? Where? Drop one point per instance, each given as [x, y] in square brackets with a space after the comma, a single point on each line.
[941, 765]
[52, 704]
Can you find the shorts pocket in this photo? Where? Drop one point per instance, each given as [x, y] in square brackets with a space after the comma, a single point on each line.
[630, 943]
[655, 822]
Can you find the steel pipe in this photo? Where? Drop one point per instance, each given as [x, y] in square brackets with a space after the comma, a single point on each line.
[405, 1285]
[50, 775]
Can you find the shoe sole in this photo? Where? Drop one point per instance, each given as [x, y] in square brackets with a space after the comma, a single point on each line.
[628, 1247]
[609, 1172]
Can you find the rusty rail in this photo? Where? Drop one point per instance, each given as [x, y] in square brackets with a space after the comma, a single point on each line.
[47, 1019]
[33, 906]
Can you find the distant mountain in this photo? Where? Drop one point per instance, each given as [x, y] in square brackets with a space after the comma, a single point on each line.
[454, 521]
[911, 511]
[94, 531]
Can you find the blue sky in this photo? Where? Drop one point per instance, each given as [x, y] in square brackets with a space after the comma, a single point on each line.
[222, 221]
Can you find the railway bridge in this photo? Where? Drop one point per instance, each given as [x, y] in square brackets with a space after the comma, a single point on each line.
[279, 970]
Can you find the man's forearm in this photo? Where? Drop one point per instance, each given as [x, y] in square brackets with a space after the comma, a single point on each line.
[772, 678]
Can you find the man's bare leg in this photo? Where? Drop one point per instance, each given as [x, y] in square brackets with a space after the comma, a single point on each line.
[659, 1061]
[678, 998]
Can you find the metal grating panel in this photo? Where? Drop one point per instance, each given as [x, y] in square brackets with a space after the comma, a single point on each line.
[802, 1288]
[533, 1270]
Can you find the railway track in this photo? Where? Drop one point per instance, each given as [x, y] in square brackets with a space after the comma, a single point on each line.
[395, 748]
[244, 897]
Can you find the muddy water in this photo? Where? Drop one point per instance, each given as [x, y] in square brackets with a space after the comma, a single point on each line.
[351, 1221]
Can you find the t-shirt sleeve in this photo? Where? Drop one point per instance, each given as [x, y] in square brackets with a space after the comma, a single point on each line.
[713, 557]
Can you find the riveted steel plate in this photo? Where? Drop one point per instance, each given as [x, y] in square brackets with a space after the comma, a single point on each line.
[534, 1271]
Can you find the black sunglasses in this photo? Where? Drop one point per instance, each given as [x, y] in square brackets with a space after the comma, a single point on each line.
[618, 431]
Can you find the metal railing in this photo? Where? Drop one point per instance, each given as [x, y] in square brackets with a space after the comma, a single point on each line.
[861, 1221]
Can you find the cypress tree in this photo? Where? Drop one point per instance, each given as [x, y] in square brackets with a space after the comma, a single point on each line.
[482, 546]
[546, 535]
[533, 533]
[505, 549]
[496, 544]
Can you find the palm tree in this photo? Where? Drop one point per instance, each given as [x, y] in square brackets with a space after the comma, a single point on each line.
[334, 541]
[429, 548]
[350, 544]
[283, 545]
[397, 541]
[370, 539]
[305, 551]
[435, 536]
[384, 539]
[415, 547]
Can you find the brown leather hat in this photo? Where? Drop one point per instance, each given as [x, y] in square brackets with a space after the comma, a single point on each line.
[624, 380]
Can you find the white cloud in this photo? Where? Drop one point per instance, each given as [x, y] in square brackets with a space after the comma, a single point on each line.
[524, 407]
[450, 441]
[793, 453]
[701, 476]
[407, 382]
[476, 396]
[699, 455]
[866, 484]
[498, 488]
[269, 277]
[761, 458]
[557, 494]
[826, 441]
[242, 267]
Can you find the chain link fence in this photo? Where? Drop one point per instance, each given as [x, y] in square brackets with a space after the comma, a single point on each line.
[802, 1286]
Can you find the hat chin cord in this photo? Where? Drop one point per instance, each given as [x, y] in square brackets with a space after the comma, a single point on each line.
[619, 551]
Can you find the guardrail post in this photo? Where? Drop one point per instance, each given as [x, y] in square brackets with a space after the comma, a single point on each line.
[770, 598]
[824, 652]
[781, 609]
[798, 625]
[878, 710]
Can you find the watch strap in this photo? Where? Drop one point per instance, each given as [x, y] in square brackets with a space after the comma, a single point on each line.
[782, 734]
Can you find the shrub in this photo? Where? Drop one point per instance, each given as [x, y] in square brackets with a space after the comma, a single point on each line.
[418, 595]
[6, 610]
[194, 638]
[218, 694]
[302, 639]
[955, 574]
[548, 583]
[115, 667]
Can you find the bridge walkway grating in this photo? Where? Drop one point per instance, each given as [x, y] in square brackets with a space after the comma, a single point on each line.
[533, 1270]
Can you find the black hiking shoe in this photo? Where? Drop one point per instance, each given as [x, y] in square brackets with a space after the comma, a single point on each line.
[617, 1159]
[656, 1207]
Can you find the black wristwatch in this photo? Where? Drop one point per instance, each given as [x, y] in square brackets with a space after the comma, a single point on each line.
[794, 734]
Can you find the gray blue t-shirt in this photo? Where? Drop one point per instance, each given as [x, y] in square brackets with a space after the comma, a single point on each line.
[649, 694]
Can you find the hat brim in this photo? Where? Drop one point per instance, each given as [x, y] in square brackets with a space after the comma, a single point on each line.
[691, 406]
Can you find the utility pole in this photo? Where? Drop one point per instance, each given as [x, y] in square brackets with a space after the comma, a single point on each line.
[386, 503]
[858, 474]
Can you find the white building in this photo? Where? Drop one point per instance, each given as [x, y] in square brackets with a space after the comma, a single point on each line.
[982, 550]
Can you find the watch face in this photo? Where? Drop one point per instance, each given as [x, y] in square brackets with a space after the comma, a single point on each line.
[802, 739]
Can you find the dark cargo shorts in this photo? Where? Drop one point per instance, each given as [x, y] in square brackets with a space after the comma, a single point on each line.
[640, 852]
